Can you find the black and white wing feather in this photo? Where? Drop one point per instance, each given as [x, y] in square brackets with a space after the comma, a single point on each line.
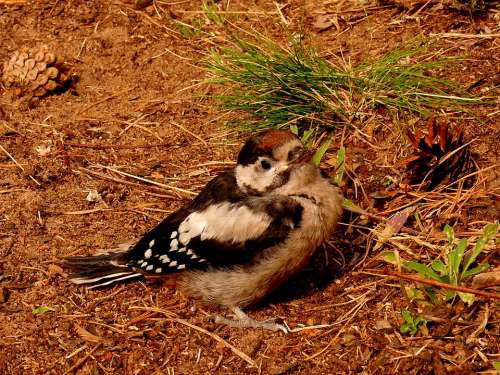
[221, 235]
[221, 227]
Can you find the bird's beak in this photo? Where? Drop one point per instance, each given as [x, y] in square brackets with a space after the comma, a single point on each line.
[304, 158]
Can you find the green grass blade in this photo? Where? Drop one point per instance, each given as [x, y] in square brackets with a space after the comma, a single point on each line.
[422, 269]
[320, 152]
[455, 259]
[339, 166]
[439, 266]
[489, 231]
[476, 270]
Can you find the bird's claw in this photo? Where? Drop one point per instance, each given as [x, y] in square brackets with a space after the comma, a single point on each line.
[241, 320]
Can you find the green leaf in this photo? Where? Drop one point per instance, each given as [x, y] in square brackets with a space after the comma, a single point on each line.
[307, 136]
[404, 328]
[41, 310]
[339, 166]
[353, 207]
[474, 271]
[439, 266]
[422, 269]
[489, 231]
[450, 294]
[460, 250]
[414, 293]
[450, 234]
[389, 257]
[407, 316]
[320, 152]
[455, 258]
[468, 298]
[294, 129]
[496, 365]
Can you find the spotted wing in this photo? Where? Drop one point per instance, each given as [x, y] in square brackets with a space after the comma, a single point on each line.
[221, 234]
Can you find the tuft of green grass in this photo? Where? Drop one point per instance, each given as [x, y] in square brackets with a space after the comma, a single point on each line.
[294, 86]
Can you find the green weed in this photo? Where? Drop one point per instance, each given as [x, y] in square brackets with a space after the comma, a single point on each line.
[457, 266]
[411, 324]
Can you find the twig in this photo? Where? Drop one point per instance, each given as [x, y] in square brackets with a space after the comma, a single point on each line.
[13, 2]
[466, 36]
[439, 284]
[11, 191]
[19, 165]
[82, 361]
[125, 182]
[216, 337]
[102, 146]
[190, 132]
[85, 109]
[173, 188]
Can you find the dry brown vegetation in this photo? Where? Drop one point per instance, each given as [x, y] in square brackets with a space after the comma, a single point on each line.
[140, 133]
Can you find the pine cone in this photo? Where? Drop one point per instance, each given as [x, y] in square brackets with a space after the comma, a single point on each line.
[439, 156]
[35, 73]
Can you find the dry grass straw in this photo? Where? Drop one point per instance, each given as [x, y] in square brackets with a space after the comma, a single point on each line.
[172, 317]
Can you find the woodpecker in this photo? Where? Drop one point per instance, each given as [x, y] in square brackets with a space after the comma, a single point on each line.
[248, 231]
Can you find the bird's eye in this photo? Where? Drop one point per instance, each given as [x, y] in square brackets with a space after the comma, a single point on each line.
[265, 164]
[292, 154]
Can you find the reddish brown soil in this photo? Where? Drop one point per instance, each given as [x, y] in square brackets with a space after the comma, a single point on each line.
[141, 84]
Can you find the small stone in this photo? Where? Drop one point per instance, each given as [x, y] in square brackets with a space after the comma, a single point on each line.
[382, 325]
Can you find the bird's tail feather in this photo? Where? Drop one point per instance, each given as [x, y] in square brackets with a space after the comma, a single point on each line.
[99, 270]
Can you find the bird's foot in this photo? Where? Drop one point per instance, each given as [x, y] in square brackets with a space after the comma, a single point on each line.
[242, 320]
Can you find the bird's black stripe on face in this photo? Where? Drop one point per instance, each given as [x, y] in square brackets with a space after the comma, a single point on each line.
[280, 180]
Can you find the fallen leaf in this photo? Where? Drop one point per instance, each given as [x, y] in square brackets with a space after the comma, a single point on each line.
[325, 21]
[392, 226]
[486, 279]
[42, 310]
[383, 325]
[87, 336]
[54, 269]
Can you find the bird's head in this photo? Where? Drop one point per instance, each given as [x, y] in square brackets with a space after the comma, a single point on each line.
[267, 159]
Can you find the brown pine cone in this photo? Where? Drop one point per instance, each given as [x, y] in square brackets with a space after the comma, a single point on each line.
[35, 72]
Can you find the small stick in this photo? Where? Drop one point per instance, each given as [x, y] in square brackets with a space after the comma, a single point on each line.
[440, 284]
[216, 337]
[190, 132]
[82, 361]
[104, 100]
[19, 165]
[172, 188]
[125, 182]
[102, 147]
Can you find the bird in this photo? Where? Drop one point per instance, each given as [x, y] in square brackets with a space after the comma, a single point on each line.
[247, 232]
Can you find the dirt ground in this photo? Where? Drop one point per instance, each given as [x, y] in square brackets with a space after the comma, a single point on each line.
[141, 106]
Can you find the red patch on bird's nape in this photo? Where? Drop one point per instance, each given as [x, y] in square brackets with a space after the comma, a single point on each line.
[263, 143]
[272, 138]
